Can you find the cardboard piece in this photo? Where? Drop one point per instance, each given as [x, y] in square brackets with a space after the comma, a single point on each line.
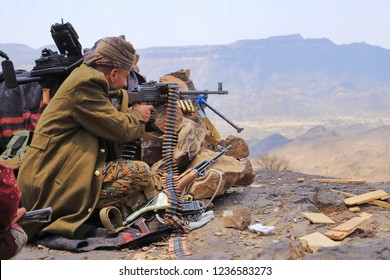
[339, 181]
[375, 202]
[318, 218]
[354, 209]
[343, 230]
[316, 240]
[366, 197]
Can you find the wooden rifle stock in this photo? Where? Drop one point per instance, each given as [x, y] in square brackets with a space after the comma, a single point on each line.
[188, 176]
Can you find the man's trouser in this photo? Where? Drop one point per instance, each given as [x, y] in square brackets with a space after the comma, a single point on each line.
[128, 183]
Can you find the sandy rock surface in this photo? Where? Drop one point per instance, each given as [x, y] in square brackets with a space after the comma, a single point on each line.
[277, 199]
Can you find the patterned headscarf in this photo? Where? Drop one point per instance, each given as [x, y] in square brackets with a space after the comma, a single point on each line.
[112, 51]
[9, 196]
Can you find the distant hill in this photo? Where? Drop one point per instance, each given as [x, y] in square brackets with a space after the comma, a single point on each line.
[283, 77]
[353, 154]
[265, 145]
[23, 56]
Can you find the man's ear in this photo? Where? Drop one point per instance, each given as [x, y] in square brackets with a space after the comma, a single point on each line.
[112, 75]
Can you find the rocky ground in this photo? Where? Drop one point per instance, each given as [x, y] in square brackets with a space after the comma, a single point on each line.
[276, 199]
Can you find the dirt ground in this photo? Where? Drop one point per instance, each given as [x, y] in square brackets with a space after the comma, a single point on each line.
[274, 199]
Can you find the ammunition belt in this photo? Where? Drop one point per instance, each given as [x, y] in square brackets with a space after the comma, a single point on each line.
[173, 214]
[132, 150]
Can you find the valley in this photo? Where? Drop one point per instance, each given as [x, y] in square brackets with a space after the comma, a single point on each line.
[344, 148]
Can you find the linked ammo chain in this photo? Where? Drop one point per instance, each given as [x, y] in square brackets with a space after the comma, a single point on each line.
[173, 214]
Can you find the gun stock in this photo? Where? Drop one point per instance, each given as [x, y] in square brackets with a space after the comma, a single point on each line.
[187, 177]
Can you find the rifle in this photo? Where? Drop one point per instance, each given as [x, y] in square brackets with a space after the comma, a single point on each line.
[160, 201]
[39, 215]
[157, 93]
[199, 170]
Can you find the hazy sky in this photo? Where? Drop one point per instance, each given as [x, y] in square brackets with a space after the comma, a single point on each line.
[150, 23]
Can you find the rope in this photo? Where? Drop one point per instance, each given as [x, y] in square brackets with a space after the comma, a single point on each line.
[216, 171]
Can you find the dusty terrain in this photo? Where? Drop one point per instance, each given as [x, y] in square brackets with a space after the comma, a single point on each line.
[350, 152]
[277, 199]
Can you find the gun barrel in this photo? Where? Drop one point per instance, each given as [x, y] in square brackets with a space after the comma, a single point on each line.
[202, 92]
[201, 167]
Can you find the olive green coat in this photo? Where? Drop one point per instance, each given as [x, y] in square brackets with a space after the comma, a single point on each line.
[64, 162]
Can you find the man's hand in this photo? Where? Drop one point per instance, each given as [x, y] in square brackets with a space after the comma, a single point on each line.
[144, 110]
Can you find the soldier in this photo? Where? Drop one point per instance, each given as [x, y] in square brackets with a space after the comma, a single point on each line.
[68, 165]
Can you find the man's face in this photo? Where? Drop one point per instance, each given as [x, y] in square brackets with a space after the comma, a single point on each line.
[118, 78]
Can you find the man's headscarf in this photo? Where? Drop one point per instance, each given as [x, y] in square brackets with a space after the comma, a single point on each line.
[9, 196]
[112, 51]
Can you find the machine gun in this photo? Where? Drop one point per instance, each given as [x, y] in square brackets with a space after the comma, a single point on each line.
[52, 68]
[157, 93]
